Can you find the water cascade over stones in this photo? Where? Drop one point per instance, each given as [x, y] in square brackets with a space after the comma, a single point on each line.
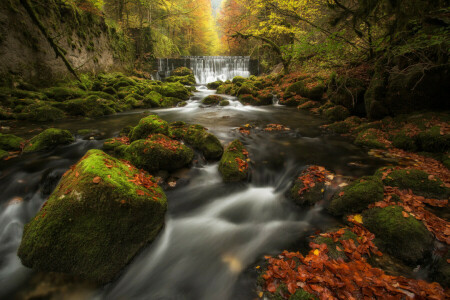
[209, 68]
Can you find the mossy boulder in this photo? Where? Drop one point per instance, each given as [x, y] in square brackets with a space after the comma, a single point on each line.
[95, 221]
[158, 152]
[147, 126]
[176, 90]
[64, 93]
[110, 90]
[403, 141]
[182, 71]
[10, 142]
[92, 106]
[233, 166]
[212, 100]
[375, 95]
[42, 113]
[337, 113]
[370, 138]
[185, 80]
[170, 102]
[404, 238]
[248, 99]
[224, 103]
[297, 88]
[309, 105]
[225, 89]
[48, 140]
[333, 252]
[420, 182]
[433, 140]
[247, 88]
[3, 154]
[214, 85]
[153, 99]
[238, 80]
[198, 137]
[307, 196]
[357, 196]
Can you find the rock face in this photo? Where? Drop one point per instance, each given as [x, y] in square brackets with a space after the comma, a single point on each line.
[233, 165]
[49, 139]
[404, 238]
[99, 216]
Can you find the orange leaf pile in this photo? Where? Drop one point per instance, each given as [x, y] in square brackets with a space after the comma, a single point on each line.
[168, 144]
[311, 176]
[243, 165]
[276, 127]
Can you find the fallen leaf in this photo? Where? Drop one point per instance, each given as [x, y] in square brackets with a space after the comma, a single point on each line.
[97, 179]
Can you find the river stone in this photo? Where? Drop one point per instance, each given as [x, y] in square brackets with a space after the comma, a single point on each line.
[10, 142]
[49, 139]
[198, 137]
[95, 221]
[233, 166]
[149, 125]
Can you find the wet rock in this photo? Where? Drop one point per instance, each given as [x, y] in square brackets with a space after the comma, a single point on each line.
[212, 100]
[49, 139]
[404, 238]
[64, 93]
[234, 166]
[41, 112]
[174, 89]
[370, 138]
[224, 103]
[333, 252]
[357, 196]
[10, 142]
[182, 71]
[214, 85]
[337, 113]
[95, 221]
[310, 186]
[185, 80]
[149, 125]
[153, 99]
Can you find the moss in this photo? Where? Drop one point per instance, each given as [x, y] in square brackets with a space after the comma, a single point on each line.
[224, 103]
[238, 80]
[10, 142]
[297, 88]
[185, 80]
[182, 71]
[42, 113]
[309, 105]
[418, 181]
[199, 138]
[357, 196]
[171, 102]
[159, 152]
[64, 93]
[316, 93]
[93, 230]
[176, 90]
[214, 85]
[92, 106]
[337, 113]
[149, 125]
[333, 252]
[212, 100]
[224, 89]
[124, 82]
[110, 90]
[246, 88]
[153, 99]
[102, 95]
[369, 138]
[229, 165]
[403, 141]
[432, 140]
[404, 238]
[49, 139]
[3, 154]
[248, 100]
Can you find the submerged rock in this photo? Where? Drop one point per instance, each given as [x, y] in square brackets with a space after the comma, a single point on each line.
[99, 216]
[233, 165]
[404, 238]
[357, 196]
[49, 139]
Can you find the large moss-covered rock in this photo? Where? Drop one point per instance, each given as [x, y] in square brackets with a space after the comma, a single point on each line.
[153, 99]
[41, 113]
[95, 221]
[3, 154]
[212, 100]
[420, 182]
[433, 140]
[314, 192]
[64, 93]
[49, 139]
[374, 98]
[158, 152]
[92, 106]
[149, 125]
[233, 166]
[214, 85]
[10, 142]
[370, 138]
[185, 80]
[171, 102]
[337, 113]
[176, 90]
[198, 137]
[357, 196]
[182, 71]
[333, 252]
[238, 80]
[404, 238]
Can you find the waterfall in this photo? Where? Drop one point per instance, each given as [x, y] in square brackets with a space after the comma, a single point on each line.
[208, 68]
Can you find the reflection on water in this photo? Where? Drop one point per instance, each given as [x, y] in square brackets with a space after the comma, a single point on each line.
[213, 231]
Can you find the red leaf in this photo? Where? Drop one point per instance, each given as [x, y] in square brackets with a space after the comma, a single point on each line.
[97, 179]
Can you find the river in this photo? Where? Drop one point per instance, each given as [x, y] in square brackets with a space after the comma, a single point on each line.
[215, 233]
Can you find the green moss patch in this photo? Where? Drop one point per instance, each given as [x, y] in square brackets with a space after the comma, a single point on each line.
[357, 196]
[10, 142]
[337, 113]
[234, 166]
[404, 238]
[99, 216]
[370, 138]
[212, 100]
[149, 125]
[49, 139]
[333, 252]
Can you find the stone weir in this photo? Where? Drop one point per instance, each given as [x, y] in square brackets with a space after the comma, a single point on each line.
[208, 68]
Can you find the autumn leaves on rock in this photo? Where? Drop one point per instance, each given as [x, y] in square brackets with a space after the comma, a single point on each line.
[234, 163]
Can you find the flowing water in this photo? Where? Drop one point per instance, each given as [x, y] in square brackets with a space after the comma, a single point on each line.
[214, 232]
[209, 68]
